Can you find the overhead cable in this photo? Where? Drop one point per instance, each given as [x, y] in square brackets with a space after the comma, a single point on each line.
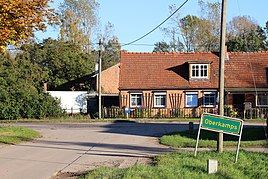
[158, 25]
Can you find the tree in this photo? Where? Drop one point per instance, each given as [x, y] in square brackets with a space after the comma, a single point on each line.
[266, 28]
[111, 47]
[111, 54]
[61, 61]
[78, 18]
[248, 42]
[203, 33]
[240, 25]
[173, 31]
[266, 34]
[20, 92]
[20, 18]
[162, 47]
[209, 26]
[197, 33]
[190, 27]
[246, 35]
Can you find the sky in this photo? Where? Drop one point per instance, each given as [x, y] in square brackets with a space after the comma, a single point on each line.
[134, 18]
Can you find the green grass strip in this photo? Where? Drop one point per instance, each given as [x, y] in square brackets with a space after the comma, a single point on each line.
[251, 137]
[184, 165]
[15, 135]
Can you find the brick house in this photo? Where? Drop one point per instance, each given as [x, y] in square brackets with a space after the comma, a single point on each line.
[109, 84]
[109, 89]
[189, 81]
[70, 93]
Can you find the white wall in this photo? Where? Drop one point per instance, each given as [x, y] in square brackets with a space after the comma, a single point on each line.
[71, 101]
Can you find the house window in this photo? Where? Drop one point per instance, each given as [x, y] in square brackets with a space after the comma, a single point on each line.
[135, 100]
[199, 71]
[209, 99]
[191, 99]
[262, 100]
[160, 100]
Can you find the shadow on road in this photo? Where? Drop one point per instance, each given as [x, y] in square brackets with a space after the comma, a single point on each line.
[99, 149]
[128, 142]
[145, 129]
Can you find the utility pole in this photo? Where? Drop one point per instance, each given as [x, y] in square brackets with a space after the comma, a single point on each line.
[99, 77]
[221, 75]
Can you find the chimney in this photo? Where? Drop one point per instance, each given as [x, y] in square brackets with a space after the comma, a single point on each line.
[226, 56]
[45, 87]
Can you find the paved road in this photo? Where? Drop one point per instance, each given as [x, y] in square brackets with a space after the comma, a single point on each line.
[78, 147]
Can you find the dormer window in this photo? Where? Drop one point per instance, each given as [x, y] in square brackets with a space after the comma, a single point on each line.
[199, 70]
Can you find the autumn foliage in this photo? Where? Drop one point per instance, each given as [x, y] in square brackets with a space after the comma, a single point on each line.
[20, 18]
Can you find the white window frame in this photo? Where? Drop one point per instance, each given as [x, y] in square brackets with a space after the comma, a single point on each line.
[257, 100]
[197, 69]
[186, 99]
[134, 96]
[214, 96]
[161, 95]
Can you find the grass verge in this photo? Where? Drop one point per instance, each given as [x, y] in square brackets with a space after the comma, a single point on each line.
[184, 165]
[15, 135]
[250, 137]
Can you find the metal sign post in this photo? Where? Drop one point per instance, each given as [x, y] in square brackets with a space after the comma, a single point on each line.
[217, 123]
[239, 140]
[198, 134]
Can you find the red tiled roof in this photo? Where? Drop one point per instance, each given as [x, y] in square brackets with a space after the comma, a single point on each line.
[171, 71]
[244, 68]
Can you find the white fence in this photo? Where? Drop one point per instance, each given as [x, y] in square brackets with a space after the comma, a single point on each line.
[71, 101]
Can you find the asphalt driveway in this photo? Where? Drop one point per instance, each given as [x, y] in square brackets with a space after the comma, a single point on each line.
[69, 147]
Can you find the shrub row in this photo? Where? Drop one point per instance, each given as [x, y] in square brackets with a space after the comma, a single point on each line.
[27, 103]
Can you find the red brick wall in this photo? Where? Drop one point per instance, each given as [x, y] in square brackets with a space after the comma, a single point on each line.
[174, 98]
[110, 80]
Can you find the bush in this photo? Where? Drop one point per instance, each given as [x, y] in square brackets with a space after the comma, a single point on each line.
[19, 94]
[26, 102]
[49, 106]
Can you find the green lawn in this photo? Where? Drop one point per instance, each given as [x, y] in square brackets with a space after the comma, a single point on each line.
[184, 165]
[250, 137]
[15, 135]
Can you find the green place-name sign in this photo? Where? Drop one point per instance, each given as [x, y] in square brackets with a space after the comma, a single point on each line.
[221, 124]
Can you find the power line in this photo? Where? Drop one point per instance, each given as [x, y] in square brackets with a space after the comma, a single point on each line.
[124, 44]
[253, 76]
[158, 25]
[138, 44]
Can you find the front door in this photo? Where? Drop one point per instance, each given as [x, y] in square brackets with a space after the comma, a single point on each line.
[238, 101]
